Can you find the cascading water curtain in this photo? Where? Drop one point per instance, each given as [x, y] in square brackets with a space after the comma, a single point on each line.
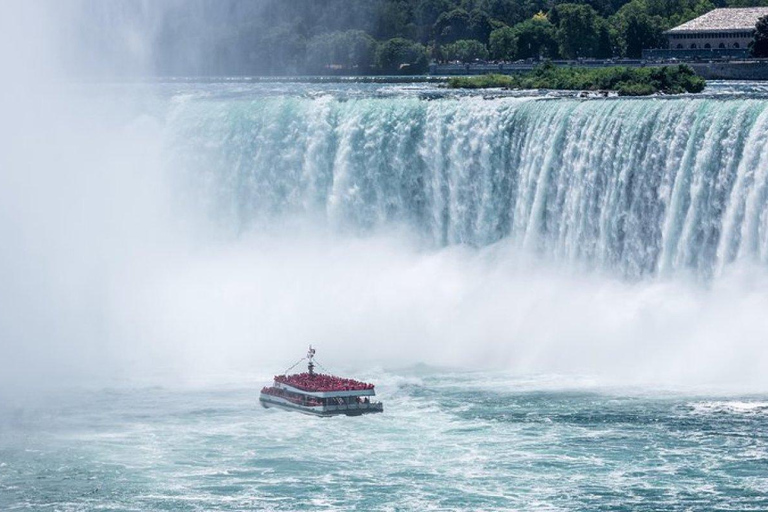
[650, 186]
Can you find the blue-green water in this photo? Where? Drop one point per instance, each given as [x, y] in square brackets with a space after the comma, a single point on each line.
[447, 441]
[594, 269]
[637, 186]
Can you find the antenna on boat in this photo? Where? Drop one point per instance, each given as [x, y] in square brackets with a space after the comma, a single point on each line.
[311, 365]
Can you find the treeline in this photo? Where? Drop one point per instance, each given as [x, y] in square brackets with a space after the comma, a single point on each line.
[622, 80]
[213, 37]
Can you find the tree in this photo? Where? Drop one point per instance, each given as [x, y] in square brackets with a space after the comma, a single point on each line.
[677, 11]
[361, 49]
[465, 50]
[426, 12]
[452, 26]
[605, 40]
[479, 26]
[393, 19]
[400, 55]
[604, 7]
[280, 36]
[503, 43]
[324, 50]
[642, 31]
[636, 29]
[760, 45]
[508, 12]
[577, 30]
[536, 38]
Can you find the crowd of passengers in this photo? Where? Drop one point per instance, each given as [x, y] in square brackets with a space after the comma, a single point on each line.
[310, 401]
[322, 382]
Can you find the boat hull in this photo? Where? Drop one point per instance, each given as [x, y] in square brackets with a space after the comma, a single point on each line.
[322, 411]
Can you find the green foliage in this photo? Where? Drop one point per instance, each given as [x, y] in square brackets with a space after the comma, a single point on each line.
[623, 80]
[465, 50]
[533, 38]
[578, 30]
[640, 23]
[677, 11]
[400, 55]
[760, 45]
[426, 12]
[299, 36]
[503, 43]
[606, 47]
[508, 12]
[452, 26]
[635, 89]
[482, 82]
[638, 29]
[536, 38]
[480, 26]
[393, 19]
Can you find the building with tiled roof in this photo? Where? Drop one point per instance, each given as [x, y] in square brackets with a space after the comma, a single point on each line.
[727, 28]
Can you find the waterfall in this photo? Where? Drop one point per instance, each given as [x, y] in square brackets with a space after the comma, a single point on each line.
[637, 186]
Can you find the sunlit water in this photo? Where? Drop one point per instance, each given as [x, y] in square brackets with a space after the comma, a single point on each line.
[598, 264]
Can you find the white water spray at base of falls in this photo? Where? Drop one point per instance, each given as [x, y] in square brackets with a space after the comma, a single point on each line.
[205, 236]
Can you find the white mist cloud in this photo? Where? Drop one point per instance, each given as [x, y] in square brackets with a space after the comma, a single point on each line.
[107, 278]
[383, 301]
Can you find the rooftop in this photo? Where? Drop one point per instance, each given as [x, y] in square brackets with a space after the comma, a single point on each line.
[724, 19]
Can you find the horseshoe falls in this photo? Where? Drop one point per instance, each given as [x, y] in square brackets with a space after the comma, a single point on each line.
[639, 187]
[562, 301]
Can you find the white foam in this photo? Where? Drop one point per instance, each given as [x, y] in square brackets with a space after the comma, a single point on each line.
[731, 407]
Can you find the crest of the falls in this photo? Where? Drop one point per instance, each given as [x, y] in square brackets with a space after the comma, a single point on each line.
[651, 186]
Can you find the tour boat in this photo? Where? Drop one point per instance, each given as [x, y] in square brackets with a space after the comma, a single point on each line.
[319, 394]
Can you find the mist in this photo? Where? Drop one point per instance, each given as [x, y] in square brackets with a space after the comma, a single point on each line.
[111, 275]
[385, 302]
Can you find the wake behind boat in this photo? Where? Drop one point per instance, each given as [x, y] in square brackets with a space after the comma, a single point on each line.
[320, 394]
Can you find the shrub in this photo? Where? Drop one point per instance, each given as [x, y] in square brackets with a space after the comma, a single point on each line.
[625, 81]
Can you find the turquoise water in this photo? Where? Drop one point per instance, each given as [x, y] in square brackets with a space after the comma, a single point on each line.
[587, 266]
[447, 441]
[639, 187]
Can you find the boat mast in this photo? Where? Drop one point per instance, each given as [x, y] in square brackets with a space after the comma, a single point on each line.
[311, 365]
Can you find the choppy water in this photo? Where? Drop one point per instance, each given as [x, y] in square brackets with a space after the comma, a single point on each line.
[447, 441]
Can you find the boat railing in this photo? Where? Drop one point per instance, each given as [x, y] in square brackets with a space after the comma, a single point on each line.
[331, 407]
